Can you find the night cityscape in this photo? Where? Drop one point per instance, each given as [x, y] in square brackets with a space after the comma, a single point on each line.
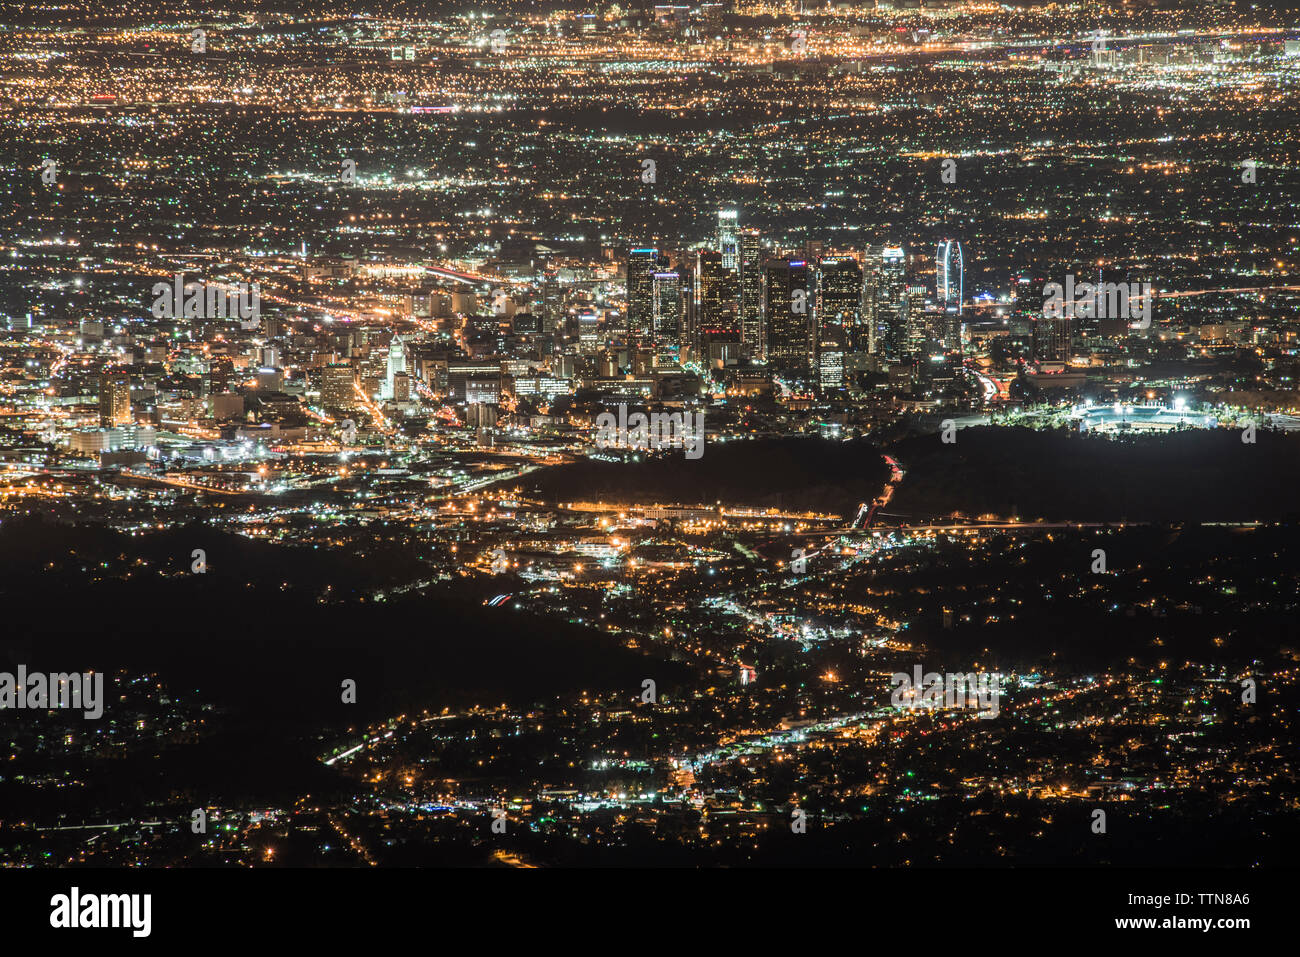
[709, 435]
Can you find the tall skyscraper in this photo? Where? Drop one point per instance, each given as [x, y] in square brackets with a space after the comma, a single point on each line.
[396, 366]
[949, 280]
[114, 399]
[948, 275]
[588, 331]
[337, 392]
[727, 221]
[374, 368]
[871, 263]
[788, 312]
[716, 290]
[839, 290]
[838, 316]
[886, 300]
[916, 324]
[666, 327]
[642, 264]
[717, 328]
[751, 292]
[685, 270]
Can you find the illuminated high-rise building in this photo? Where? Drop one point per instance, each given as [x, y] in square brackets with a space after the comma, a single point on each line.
[715, 291]
[338, 392]
[588, 322]
[916, 324]
[373, 371]
[838, 316]
[788, 312]
[948, 275]
[666, 324]
[839, 290]
[114, 399]
[396, 366]
[949, 279]
[751, 292]
[727, 221]
[886, 301]
[642, 264]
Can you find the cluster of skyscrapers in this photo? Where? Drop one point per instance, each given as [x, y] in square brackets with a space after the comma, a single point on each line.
[812, 315]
